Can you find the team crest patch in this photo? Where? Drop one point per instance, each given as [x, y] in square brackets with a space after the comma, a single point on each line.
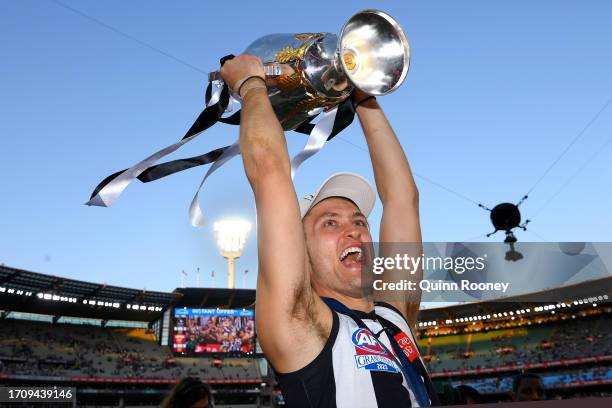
[370, 355]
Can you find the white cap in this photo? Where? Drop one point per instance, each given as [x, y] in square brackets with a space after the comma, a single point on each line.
[347, 185]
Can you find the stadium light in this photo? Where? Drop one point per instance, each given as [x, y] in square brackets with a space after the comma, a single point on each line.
[231, 237]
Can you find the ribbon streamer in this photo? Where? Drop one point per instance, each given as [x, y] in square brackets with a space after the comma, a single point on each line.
[316, 140]
[344, 118]
[165, 169]
[107, 192]
[196, 218]
[327, 127]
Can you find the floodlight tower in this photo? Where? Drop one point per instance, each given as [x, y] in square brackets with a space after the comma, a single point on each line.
[231, 236]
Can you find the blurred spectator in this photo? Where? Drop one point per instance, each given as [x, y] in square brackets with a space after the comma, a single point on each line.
[528, 387]
[189, 393]
[468, 395]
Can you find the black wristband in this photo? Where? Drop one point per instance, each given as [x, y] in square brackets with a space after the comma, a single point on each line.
[367, 98]
[247, 80]
[226, 58]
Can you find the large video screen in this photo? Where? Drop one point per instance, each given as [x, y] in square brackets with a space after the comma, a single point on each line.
[213, 331]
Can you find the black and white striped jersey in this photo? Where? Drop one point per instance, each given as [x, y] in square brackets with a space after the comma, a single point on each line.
[353, 370]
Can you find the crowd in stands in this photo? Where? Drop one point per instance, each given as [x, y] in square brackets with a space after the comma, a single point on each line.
[42, 349]
[551, 381]
[592, 374]
[586, 337]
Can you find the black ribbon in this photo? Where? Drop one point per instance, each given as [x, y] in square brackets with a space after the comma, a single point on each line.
[205, 119]
[165, 169]
[208, 117]
[344, 117]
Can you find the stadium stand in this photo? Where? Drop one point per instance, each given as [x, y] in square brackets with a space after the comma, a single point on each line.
[565, 338]
[70, 350]
[551, 381]
[115, 344]
[585, 337]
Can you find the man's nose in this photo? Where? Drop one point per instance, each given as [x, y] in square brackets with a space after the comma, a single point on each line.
[352, 232]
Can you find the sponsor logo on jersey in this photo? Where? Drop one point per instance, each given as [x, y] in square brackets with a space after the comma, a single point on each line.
[370, 355]
[407, 346]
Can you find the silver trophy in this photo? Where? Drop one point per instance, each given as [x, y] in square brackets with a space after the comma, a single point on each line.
[307, 74]
[311, 72]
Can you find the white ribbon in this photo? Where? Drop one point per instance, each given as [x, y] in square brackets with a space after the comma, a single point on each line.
[196, 218]
[214, 98]
[316, 140]
[110, 192]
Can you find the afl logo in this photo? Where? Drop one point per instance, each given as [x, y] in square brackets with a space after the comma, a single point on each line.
[365, 341]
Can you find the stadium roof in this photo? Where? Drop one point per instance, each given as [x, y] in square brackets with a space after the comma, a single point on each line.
[32, 292]
[211, 297]
[582, 290]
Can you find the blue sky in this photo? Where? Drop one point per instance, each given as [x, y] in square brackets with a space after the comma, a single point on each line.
[495, 93]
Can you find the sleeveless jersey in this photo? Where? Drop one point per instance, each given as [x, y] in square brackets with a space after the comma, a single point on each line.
[353, 370]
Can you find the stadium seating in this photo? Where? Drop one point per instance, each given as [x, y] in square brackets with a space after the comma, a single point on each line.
[584, 337]
[28, 347]
[36, 348]
[551, 381]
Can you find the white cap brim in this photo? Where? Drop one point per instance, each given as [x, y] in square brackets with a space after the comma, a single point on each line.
[347, 185]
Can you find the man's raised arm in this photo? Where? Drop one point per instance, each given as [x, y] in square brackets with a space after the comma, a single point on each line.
[286, 304]
[398, 194]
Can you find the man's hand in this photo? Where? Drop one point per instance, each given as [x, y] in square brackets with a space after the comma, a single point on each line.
[237, 69]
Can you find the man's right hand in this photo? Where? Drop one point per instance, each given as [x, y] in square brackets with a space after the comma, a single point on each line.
[235, 70]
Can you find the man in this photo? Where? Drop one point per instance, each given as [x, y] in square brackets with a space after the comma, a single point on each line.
[328, 343]
[528, 387]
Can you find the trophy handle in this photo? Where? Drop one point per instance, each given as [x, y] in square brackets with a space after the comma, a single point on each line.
[271, 70]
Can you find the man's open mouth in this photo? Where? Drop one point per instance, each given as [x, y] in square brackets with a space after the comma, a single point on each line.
[353, 253]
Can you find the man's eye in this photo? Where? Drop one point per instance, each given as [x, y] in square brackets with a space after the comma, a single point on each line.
[361, 223]
[329, 223]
